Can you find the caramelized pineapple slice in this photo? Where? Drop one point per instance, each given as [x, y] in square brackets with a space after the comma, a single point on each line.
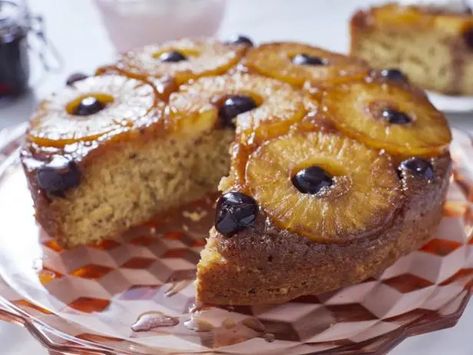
[388, 116]
[91, 108]
[184, 59]
[326, 187]
[395, 16]
[398, 17]
[299, 64]
[259, 107]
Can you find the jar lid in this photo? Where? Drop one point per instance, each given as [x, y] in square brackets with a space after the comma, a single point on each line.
[13, 20]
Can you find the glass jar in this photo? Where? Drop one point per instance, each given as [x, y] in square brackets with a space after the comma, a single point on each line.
[14, 64]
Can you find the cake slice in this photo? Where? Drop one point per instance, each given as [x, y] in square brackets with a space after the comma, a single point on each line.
[432, 44]
[251, 257]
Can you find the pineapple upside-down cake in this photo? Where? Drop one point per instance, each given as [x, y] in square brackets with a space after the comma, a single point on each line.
[329, 171]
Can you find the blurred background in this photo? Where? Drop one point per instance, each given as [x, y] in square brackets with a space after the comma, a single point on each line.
[46, 40]
[58, 38]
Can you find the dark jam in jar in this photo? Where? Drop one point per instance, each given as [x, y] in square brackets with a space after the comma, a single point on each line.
[14, 66]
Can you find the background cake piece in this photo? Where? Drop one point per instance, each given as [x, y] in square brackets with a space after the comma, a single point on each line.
[432, 45]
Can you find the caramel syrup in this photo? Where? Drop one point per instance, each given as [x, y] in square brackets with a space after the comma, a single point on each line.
[196, 322]
[150, 320]
[198, 325]
[91, 271]
[46, 275]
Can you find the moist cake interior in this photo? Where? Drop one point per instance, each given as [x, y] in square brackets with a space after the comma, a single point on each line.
[136, 179]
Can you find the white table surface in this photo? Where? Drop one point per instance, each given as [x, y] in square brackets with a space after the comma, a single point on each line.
[76, 29]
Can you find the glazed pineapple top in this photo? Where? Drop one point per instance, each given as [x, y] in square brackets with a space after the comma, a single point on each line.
[400, 17]
[322, 143]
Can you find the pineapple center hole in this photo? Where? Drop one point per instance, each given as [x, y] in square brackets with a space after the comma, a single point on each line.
[313, 180]
[308, 59]
[230, 106]
[321, 178]
[175, 55]
[389, 113]
[89, 104]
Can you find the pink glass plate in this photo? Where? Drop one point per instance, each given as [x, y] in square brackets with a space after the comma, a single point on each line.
[88, 299]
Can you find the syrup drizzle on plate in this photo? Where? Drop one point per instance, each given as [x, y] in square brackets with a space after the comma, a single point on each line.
[150, 320]
[198, 325]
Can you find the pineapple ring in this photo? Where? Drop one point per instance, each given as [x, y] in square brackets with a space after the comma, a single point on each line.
[127, 103]
[204, 58]
[354, 109]
[365, 195]
[279, 105]
[275, 60]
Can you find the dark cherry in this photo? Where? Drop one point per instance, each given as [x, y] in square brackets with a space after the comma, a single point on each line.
[88, 106]
[468, 37]
[57, 176]
[419, 167]
[306, 59]
[312, 180]
[393, 74]
[395, 116]
[241, 40]
[235, 212]
[75, 77]
[232, 106]
[172, 57]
